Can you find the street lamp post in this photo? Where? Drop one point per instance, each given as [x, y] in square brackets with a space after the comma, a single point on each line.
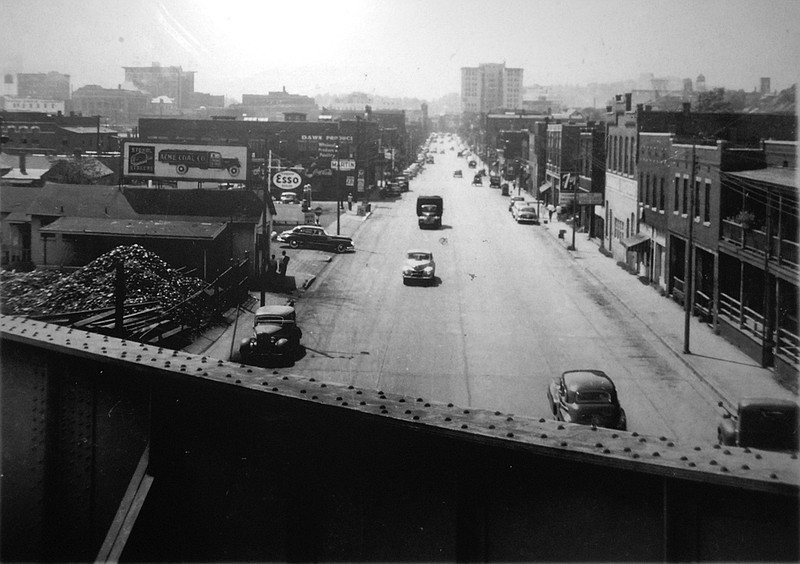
[266, 230]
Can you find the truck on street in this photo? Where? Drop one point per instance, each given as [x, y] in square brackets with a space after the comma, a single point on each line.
[429, 212]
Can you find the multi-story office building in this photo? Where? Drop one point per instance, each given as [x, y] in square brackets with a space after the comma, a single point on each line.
[490, 86]
[156, 80]
[45, 86]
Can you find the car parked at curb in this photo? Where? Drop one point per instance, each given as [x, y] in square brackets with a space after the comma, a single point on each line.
[289, 198]
[419, 265]
[586, 397]
[763, 423]
[313, 236]
[526, 214]
[275, 334]
[514, 200]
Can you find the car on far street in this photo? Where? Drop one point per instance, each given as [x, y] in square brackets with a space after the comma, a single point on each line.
[764, 423]
[515, 199]
[586, 397]
[457, 174]
[289, 198]
[313, 236]
[419, 265]
[526, 214]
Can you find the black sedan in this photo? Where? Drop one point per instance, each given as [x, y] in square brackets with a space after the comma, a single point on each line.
[316, 237]
[588, 397]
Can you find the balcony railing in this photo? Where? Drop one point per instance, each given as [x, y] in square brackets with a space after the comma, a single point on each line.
[786, 252]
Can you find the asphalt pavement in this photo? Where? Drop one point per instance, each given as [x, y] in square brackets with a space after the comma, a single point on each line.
[723, 367]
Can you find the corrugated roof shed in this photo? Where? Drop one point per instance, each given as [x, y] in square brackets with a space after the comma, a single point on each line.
[162, 229]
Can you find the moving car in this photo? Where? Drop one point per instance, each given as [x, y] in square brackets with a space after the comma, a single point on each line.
[457, 174]
[765, 423]
[419, 265]
[477, 180]
[494, 181]
[289, 198]
[313, 236]
[587, 397]
[275, 334]
[472, 163]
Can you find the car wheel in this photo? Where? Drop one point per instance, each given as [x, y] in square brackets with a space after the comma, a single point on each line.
[341, 247]
[294, 243]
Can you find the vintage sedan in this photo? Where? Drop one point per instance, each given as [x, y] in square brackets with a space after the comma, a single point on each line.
[419, 265]
[458, 174]
[527, 214]
[275, 335]
[313, 236]
[587, 397]
[514, 200]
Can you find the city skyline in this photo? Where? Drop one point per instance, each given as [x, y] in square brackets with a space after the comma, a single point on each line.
[408, 49]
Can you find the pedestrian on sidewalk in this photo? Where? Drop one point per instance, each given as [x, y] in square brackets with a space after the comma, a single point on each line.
[283, 264]
[272, 268]
[550, 209]
[349, 202]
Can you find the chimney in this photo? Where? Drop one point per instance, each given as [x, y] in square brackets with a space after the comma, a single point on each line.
[628, 101]
[22, 167]
[687, 107]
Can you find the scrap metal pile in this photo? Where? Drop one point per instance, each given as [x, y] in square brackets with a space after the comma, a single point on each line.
[149, 281]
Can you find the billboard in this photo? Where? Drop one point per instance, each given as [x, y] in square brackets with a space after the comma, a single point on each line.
[172, 161]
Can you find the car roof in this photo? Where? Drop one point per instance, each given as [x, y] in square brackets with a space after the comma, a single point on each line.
[587, 378]
[767, 402]
[274, 310]
[409, 251]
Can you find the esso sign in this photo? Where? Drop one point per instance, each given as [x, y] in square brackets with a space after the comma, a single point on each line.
[287, 180]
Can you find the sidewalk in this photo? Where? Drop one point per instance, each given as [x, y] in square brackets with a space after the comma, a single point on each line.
[728, 371]
[304, 266]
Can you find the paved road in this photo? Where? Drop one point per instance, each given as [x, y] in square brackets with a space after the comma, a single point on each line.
[509, 311]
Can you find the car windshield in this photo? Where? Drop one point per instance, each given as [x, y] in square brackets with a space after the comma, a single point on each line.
[271, 320]
[419, 256]
[429, 208]
[593, 396]
[529, 210]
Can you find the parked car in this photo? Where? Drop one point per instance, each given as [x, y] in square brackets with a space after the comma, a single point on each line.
[313, 236]
[390, 190]
[494, 181]
[587, 397]
[289, 198]
[527, 214]
[419, 265]
[275, 334]
[515, 199]
[516, 205]
[472, 163]
[765, 423]
[457, 174]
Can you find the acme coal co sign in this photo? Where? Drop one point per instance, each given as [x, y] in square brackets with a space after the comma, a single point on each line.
[170, 161]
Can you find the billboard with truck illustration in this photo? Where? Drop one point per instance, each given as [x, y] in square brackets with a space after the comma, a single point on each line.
[171, 161]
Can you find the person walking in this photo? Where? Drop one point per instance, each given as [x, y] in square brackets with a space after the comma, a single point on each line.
[550, 209]
[349, 202]
[284, 263]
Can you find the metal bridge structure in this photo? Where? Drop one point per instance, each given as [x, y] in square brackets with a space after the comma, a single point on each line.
[115, 450]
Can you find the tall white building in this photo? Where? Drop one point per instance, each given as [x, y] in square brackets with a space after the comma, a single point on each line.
[490, 86]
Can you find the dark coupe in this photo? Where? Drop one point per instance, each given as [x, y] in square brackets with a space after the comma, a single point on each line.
[316, 237]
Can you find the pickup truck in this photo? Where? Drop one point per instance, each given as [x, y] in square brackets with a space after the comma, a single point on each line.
[429, 212]
[763, 423]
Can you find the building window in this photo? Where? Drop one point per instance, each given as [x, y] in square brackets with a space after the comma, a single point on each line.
[661, 194]
[647, 197]
[696, 202]
[685, 196]
[625, 155]
[619, 229]
[707, 202]
[642, 194]
[676, 195]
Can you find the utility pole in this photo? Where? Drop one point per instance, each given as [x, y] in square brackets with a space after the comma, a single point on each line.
[266, 229]
[688, 275]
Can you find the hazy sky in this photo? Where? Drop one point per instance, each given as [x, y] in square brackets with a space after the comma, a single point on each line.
[402, 47]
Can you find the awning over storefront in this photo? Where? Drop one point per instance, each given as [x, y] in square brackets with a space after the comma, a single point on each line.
[632, 242]
[545, 187]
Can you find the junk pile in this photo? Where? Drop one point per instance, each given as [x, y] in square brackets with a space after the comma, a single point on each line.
[155, 293]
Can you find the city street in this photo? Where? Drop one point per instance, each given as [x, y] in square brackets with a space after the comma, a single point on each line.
[509, 310]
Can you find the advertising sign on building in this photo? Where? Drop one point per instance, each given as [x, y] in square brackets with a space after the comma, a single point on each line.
[590, 198]
[171, 161]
